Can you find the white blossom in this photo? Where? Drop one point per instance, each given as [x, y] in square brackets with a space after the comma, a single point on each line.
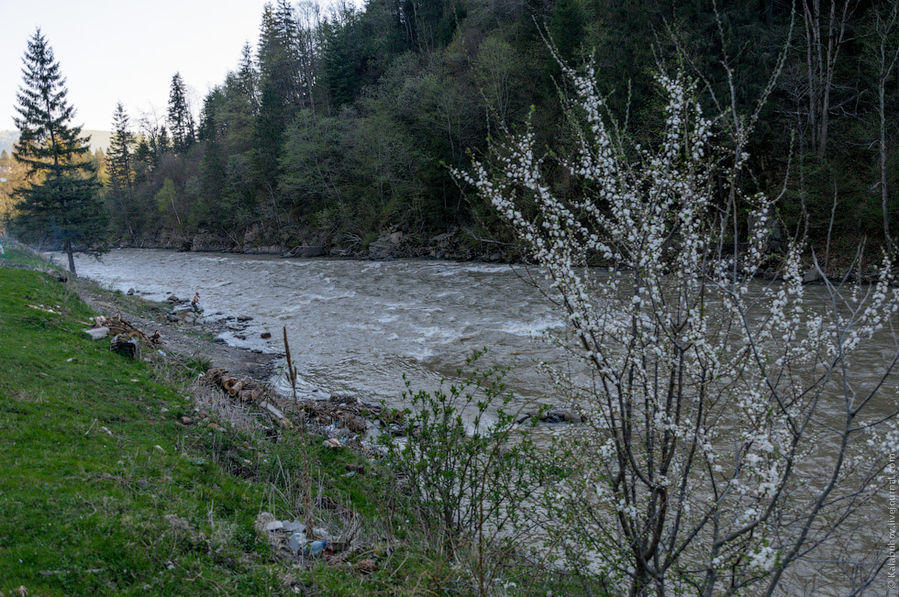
[705, 403]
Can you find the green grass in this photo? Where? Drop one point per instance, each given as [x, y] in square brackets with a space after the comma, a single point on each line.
[100, 490]
[18, 256]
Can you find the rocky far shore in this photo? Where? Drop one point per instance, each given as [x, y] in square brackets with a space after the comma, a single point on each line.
[453, 245]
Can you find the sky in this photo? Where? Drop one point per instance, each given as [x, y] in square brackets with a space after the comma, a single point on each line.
[127, 50]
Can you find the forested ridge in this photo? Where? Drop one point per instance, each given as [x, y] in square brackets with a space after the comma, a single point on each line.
[336, 133]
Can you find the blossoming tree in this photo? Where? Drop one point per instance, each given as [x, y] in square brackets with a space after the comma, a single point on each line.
[727, 437]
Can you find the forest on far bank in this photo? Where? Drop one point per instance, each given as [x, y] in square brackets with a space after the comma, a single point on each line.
[337, 131]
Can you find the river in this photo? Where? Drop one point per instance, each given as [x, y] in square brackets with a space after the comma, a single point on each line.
[358, 327]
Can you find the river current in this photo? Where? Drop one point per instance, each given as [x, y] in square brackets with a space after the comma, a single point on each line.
[357, 327]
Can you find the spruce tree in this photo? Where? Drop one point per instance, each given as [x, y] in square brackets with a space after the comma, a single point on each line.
[59, 199]
[120, 168]
[279, 93]
[181, 121]
[121, 150]
[248, 77]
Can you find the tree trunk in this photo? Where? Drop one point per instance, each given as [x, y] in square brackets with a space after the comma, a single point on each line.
[71, 256]
[886, 61]
[884, 194]
[824, 40]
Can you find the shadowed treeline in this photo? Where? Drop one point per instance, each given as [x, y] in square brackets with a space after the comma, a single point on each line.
[337, 127]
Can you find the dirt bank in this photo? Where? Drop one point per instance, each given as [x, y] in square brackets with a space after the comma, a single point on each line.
[187, 340]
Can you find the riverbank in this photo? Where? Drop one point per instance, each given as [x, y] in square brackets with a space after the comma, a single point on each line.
[185, 339]
[847, 260]
[452, 245]
[131, 476]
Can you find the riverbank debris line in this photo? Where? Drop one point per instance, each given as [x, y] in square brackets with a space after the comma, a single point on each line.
[248, 391]
[119, 326]
[328, 416]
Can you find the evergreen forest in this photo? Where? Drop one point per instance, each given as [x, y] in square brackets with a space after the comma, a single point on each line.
[337, 131]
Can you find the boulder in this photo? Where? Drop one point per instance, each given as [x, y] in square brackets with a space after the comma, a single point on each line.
[308, 251]
[561, 416]
[97, 333]
[552, 416]
[811, 276]
[386, 246]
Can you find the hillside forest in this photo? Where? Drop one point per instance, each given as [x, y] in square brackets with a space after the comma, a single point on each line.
[337, 131]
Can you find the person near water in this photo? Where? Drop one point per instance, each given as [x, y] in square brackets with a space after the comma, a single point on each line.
[195, 303]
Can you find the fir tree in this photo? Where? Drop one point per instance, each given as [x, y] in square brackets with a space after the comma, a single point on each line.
[181, 121]
[121, 150]
[60, 197]
[279, 91]
[120, 168]
[248, 77]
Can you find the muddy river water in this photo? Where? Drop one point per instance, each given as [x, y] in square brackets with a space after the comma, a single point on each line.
[357, 327]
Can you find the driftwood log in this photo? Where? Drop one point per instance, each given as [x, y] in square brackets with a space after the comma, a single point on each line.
[340, 412]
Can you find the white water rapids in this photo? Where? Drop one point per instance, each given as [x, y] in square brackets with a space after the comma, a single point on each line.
[357, 327]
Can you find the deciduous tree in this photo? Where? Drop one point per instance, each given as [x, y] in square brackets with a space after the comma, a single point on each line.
[729, 436]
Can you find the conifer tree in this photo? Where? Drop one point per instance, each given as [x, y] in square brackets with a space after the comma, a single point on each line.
[121, 150]
[120, 167]
[59, 199]
[248, 77]
[278, 90]
[181, 121]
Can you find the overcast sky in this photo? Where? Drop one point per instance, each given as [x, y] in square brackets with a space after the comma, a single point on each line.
[126, 50]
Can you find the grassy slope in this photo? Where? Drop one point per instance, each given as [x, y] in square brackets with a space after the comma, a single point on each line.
[150, 506]
[103, 490]
[83, 509]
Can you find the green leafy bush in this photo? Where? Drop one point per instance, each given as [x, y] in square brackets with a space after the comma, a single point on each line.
[467, 468]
